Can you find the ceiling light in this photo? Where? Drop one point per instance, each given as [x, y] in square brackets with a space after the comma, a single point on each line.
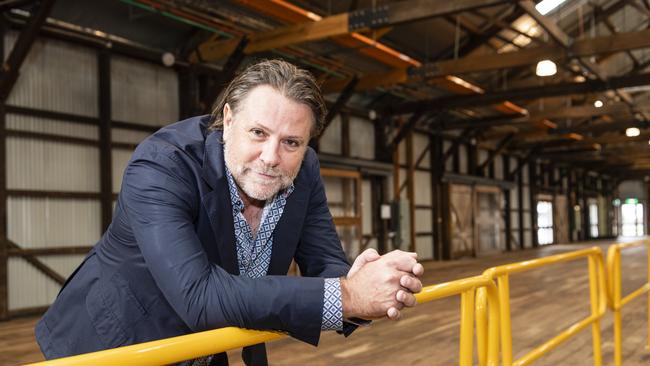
[546, 68]
[632, 132]
[546, 6]
[598, 103]
[579, 79]
[168, 59]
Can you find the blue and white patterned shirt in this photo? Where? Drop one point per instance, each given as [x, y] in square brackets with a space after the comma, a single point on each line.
[254, 252]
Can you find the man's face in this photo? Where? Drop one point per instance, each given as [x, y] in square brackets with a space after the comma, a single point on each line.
[265, 141]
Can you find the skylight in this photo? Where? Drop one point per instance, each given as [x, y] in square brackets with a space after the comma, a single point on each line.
[546, 6]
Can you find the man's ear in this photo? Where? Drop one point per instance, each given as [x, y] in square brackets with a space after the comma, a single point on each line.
[227, 116]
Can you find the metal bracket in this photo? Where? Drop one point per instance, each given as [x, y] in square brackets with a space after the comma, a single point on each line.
[368, 18]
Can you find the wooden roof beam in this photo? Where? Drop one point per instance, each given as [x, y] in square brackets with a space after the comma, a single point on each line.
[576, 112]
[529, 56]
[589, 86]
[344, 24]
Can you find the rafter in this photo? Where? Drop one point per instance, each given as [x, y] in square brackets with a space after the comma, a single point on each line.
[344, 24]
[620, 110]
[590, 86]
[529, 56]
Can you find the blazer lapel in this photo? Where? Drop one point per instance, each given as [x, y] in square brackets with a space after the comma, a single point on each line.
[217, 202]
[287, 232]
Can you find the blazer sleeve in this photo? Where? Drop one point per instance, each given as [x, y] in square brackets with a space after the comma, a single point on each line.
[319, 252]
[161, 203]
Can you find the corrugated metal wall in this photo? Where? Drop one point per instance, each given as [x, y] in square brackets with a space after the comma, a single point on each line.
[62, 77]
[141, 93]
[59, 77]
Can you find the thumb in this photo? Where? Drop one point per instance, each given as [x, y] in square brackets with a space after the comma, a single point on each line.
[368, 255]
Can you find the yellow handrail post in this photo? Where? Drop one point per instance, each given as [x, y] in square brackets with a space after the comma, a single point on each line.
[595, 302]
[466, 327]
[615, 299]
[647, 347]
[598, 297]
[503, 287]
[615, 284]
[481, 325]
[493, 324]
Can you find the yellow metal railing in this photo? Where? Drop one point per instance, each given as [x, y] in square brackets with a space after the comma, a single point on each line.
[195, 345]
[170, 350]
[482, 303]
[614, 286]
[486, 311]
[597, 295]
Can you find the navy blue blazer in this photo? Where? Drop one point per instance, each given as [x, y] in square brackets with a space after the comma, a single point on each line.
[167, 264]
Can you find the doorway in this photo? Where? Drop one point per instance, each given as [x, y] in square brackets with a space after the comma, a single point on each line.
[632, 218]
[544, 222]
[489, 222]
[593, 218]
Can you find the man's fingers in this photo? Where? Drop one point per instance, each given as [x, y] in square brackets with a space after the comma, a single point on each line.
[411, 283]
[402, 261]
[393, 314]
[406, 298]
[368, 255]
[418, 269]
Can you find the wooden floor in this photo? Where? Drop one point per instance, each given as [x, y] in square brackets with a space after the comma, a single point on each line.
[544, 302]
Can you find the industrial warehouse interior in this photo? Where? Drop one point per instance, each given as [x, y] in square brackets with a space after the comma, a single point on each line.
[507, 143]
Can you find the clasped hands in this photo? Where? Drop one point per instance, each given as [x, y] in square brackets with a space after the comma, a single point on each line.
[378, 286]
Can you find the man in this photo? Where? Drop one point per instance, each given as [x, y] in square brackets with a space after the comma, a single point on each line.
[211, 212]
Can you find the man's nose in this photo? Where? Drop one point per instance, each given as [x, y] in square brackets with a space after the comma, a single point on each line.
[270, 155]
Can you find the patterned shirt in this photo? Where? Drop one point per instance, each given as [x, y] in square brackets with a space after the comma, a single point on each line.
[254, 252]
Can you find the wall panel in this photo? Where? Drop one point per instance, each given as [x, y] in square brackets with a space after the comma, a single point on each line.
[128, 136]
[28, 287]
[143, 92]
[119, 160]
[422, 188]
[330, 140]
[51, 127]
[424, 247]
[420, 142]
[47, 165]
[362, 138]
[56, 76]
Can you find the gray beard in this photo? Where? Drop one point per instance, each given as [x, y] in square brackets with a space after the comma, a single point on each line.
[244, 183]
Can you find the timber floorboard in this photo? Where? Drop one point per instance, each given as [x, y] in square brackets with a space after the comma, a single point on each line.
[543, 302]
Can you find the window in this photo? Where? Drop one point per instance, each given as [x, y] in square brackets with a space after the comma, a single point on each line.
[544, 222]
[593, 220]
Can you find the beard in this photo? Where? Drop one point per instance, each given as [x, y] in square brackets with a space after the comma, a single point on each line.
[247, 176]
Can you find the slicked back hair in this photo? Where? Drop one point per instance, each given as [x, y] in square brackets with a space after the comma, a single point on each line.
[292, 82]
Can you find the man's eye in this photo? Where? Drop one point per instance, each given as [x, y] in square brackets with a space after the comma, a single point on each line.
[257, 132]
[292, 143]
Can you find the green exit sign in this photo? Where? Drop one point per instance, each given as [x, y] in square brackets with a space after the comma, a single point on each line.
[631, 201]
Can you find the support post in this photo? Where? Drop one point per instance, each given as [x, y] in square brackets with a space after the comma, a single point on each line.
[507, 206]
[410, 189]
[520, 207]
[105, 165]
[532, 190]
[4, 243]
[436, 170]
